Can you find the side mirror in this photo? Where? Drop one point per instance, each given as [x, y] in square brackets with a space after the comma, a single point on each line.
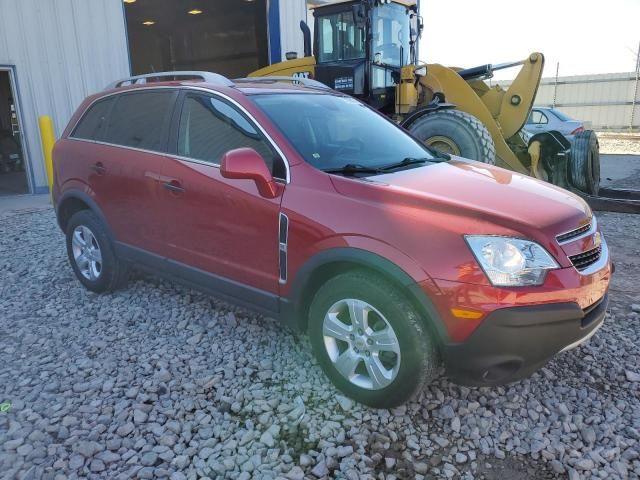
[416, 26]
[247, 164]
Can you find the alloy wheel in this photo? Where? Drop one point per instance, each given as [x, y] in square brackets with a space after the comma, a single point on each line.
[361, 344]
[86, 252]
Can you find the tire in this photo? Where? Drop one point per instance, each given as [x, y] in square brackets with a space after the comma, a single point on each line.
[584, 167]
[418, 358]
[457, 133]
[112, 272]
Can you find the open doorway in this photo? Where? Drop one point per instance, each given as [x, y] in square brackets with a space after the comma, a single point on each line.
[227, 36]
[13, 177]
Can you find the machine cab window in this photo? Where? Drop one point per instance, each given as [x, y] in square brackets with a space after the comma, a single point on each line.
[340, 38]
[390, 34]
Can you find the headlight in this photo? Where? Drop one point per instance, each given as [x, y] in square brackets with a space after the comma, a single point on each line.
[511, 262]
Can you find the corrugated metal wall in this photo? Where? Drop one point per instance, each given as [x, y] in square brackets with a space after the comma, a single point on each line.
[62, 51]
[291, 12]
[604, 101]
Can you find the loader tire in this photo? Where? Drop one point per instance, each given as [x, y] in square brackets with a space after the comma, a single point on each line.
[457, 133]
[584, 167]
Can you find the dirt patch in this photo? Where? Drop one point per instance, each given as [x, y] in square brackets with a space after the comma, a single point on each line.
[512, 468]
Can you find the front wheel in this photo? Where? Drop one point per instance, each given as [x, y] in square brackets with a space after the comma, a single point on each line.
[370, 341]
[457, 133]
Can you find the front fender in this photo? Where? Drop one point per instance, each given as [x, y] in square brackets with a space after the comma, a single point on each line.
[400, 269]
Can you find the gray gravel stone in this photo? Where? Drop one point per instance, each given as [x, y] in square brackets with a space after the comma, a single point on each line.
[345, 403]
[320, 470]
[139, 416]
[632, 376]
[97, 466]
[125, 429]
[149, 458]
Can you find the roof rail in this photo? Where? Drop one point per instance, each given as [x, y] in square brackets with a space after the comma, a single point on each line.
[208, 77]
[307, 82]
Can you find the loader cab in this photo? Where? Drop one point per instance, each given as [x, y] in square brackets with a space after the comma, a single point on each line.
[360, 47]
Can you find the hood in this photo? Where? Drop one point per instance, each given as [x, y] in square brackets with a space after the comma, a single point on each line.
[477, 190]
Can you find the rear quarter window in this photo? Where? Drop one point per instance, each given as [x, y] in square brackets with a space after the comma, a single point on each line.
[92, 124]
[140, 119]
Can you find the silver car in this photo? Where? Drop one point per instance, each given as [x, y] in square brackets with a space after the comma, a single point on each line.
[544, 119]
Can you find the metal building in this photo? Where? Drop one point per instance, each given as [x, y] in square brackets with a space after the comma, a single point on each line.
[609, 101]
[54, 53]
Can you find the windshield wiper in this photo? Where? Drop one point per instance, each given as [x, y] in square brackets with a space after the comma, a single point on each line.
[405, 162]
[352, 168]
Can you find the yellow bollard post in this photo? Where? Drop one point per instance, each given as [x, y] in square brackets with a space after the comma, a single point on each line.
[48, 138]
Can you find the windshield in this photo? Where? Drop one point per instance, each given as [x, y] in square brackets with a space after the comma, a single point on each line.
[331, 131]
[339, 38]
[390, 32]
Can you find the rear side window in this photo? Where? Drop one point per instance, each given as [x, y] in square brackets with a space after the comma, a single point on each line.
[210, 127]
[537, 117]
[92, 125]
[140, 119]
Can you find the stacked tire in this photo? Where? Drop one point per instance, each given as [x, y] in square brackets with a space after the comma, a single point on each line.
[584, 167]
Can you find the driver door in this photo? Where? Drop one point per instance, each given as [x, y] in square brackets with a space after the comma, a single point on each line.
[219, 230]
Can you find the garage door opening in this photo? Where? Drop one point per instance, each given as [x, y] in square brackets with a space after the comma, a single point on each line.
[223, 36]
[13, 178]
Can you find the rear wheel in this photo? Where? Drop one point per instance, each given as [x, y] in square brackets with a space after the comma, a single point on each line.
[456, 133]
[370, 340]
[91, 254]
[585, 162]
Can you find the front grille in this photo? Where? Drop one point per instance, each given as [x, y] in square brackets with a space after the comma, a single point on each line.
[566, 237]
[583, 260]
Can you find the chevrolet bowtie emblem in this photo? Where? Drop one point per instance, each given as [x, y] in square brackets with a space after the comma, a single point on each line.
[597, 239]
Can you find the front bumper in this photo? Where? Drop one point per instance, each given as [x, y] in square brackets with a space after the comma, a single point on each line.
[512, 343]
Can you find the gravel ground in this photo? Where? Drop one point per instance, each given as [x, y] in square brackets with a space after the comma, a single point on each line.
[619, 143]
[158, 381]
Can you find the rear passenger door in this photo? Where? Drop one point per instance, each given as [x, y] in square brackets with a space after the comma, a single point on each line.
[132, 152]
[221, 226]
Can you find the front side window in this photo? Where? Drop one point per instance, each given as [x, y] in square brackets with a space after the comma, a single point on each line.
[340, 38]
[391, 30]
[210, 127]
[330, 131]
[140, 119]
[92, 125]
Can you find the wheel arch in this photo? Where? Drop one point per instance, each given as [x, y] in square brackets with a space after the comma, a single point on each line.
[424, 110]
[74, 201]
[329, 263]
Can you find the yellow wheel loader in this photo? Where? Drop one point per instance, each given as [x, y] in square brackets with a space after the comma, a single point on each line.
[367, 48]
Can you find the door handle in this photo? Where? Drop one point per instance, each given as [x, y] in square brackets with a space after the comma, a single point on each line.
[173, 186]
[99, 168]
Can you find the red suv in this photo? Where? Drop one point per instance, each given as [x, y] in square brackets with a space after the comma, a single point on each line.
[308, 206]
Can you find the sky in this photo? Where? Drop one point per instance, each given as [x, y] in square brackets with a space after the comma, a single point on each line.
[585, 36]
